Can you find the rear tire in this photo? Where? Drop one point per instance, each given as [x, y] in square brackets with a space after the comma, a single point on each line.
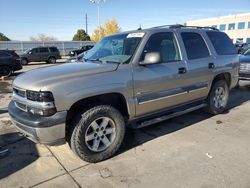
[218, 98]
[5, 71]
[52, 60]
[97, 133]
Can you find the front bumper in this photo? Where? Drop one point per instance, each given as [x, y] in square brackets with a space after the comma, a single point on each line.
[45, 130]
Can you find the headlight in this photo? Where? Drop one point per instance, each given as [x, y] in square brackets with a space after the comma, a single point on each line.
[40, 96]
[42, 103]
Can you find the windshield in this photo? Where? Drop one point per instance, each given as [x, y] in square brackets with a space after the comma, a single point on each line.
[117, 48]
[247, 52]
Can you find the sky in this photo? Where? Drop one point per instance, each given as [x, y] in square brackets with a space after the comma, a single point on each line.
[21, 19]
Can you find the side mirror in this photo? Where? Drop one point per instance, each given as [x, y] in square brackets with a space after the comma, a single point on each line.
[151, 58]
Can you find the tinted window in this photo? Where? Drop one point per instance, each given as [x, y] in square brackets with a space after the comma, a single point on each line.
[223, 27]
[165, 44]
[241, 25]
[35, 50]
[221, 42]
[4, 55]
[44, 50]
[195, 46]
[231, 26]
[53, 49]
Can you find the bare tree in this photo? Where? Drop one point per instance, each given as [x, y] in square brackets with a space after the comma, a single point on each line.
[43, 38]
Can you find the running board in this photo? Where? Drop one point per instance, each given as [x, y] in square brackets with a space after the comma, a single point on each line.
[168, 116]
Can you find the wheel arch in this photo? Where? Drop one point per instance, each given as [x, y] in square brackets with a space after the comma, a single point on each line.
[223, 76]
[116, 100]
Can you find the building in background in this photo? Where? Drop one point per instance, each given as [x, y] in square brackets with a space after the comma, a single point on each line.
[236, 26]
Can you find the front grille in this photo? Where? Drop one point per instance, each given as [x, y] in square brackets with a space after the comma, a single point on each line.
[242, 75]
[22, 95]
[19, 92]
[245, 67]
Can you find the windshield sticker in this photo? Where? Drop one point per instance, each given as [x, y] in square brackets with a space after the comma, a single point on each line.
[133, 35]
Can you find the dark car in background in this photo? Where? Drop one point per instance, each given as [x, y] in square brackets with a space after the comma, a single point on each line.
[242, 47]
[47, 54]
[9, 62]
[80, 50]
[244, 72]
[74, 59]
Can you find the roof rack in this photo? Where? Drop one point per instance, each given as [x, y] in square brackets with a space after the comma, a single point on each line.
[177, 26]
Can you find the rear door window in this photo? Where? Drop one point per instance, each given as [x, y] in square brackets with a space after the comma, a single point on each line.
[53, 49]
[221, 42]
[4, 55]
[195, 45]
[44, 50]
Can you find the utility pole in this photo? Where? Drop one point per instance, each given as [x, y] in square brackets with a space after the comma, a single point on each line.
[86, 23]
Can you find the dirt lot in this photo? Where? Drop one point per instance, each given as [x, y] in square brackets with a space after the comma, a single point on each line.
[194, 150]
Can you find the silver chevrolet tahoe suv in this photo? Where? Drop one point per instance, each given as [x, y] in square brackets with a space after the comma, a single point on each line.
[134, 78]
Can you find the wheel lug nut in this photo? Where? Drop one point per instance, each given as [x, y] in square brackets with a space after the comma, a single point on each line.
[97, 130]
[102, 137]
[95, 135]
[104, 132]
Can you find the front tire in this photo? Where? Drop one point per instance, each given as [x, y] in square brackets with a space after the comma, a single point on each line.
[24, 61]
[218, 98]
[98, 133]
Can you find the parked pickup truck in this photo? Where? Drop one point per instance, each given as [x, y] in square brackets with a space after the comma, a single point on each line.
[135, 78]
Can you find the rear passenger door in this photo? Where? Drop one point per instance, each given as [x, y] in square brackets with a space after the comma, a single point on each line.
[44, 54]
[200, 63]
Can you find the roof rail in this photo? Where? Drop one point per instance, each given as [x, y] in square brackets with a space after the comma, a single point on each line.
[177, 26]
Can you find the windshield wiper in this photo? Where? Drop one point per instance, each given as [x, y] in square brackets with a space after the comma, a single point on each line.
[93, 60]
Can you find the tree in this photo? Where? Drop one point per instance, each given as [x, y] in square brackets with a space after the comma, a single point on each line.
[43, 38]
[81, 35]
[110, 27]
[3, 37]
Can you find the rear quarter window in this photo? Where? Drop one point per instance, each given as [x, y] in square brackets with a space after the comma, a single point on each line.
[221, 42]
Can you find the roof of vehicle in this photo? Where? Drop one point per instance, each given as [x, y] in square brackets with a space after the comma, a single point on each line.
[44, 47]
[171, 27]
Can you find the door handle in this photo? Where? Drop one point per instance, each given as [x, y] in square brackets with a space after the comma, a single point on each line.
[182, 70]
[211, 65]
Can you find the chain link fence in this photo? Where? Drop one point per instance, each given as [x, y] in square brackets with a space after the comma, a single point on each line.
[63, 46]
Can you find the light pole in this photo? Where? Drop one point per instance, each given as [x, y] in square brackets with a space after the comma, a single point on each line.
[97, 2]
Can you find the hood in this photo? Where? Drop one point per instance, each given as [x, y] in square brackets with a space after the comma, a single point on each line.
[244, 58]
[38, 79]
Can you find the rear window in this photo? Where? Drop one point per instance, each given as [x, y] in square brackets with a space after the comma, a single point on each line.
[222, 43]
[195, 46]
[53, 49]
